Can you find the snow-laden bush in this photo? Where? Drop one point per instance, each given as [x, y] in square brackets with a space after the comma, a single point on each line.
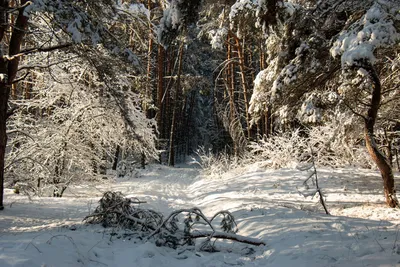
[215, 165]
[281, 150]
[336, 143]
[332, 148]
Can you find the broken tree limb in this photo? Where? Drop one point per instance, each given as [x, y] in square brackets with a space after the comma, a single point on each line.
[229, 236]
[195, 211]
[178, 229]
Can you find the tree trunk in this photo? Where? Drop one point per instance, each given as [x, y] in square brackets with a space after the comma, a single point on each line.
[172, 141]
[266, 122]
[143, 161]
[8, 71]
[3, 18]
[377, 156]
[4, 95]
[116, 156]
[244, 84]
[231, 84]
[160, 93]
[384, 167]
[231, 89]
[148, 93]
[160, 85]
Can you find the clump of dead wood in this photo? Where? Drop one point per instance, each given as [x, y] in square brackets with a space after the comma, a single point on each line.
[181, 227]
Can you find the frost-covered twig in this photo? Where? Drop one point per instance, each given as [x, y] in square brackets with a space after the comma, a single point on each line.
[314, 175]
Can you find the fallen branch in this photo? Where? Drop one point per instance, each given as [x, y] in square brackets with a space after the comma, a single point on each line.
[115, 210]
[180, 228]
[229, 236]
[173, 215]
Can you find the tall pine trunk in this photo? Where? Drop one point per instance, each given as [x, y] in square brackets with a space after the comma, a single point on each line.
[160, 94]
[230, 80]
[242, 68]
[149, 86]
[172, 141]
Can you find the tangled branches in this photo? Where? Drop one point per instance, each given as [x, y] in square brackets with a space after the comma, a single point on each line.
[115, 210]
[180, 228]
[170, 234]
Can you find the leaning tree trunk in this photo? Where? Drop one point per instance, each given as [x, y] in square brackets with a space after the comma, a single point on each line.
[377, 156]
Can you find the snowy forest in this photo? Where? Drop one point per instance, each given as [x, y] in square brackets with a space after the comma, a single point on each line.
[199, 133]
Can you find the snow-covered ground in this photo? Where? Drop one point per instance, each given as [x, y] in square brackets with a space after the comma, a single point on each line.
[271, 205]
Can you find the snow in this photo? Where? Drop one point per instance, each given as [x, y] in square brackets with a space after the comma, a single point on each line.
[139, 9]
[241, 6]
[74, 28]
[309, 112]
[172, 20]
[374, 30]
[362, 72]
[218, 38]
[268, 204]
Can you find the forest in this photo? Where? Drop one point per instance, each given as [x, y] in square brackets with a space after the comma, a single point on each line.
[93, 92]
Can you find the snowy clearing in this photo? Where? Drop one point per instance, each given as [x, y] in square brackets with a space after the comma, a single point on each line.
[268, 204]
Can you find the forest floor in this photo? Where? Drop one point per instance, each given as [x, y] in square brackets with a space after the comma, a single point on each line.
[271, 205]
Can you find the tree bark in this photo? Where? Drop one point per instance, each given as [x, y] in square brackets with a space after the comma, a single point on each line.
[243, 82]
[116, 156]
[4, 95]
[148, 93]
[160, 87]
[230, 81]
[231, 88]
[160, 93]
[172, 141]
[377, 156]
[8, 70]
[3, 18]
